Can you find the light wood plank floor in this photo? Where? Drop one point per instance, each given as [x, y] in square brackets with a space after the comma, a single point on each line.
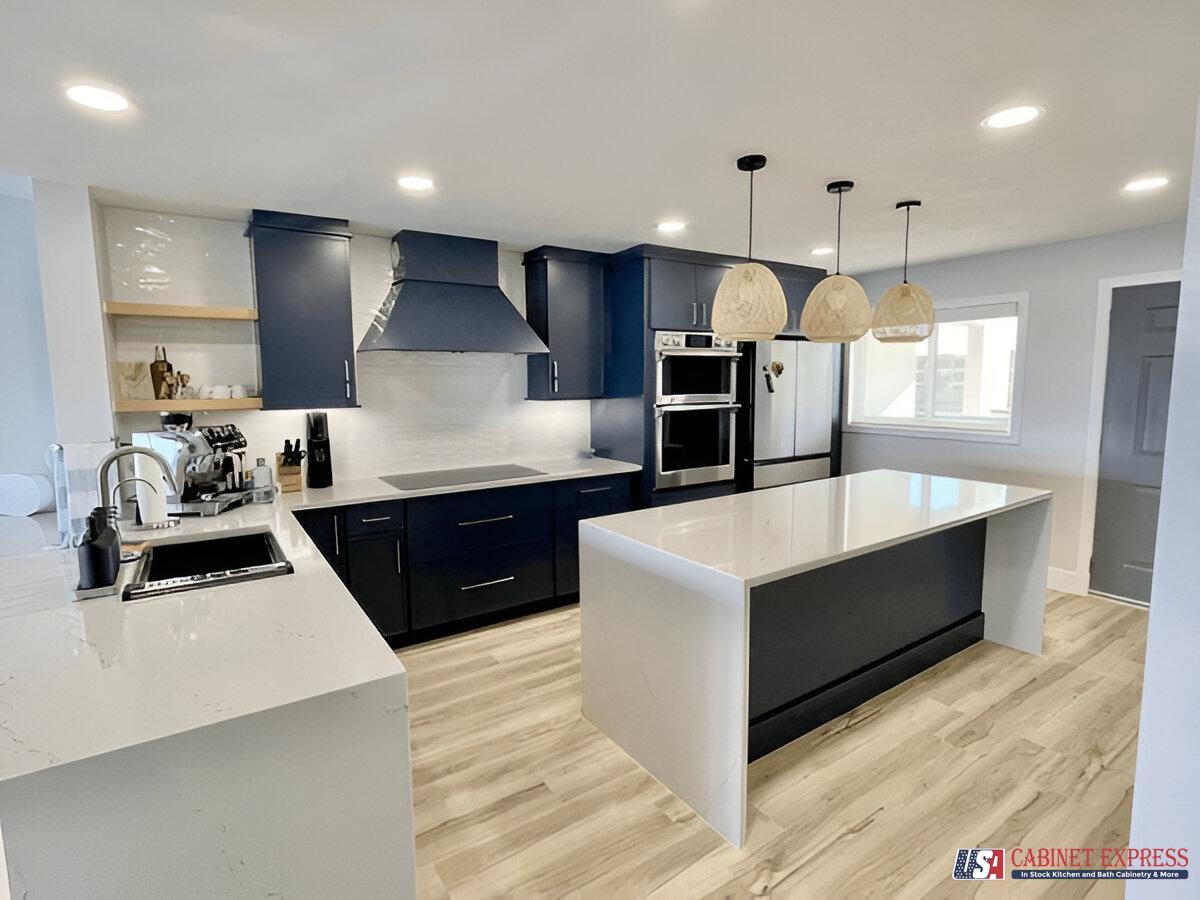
[516, 794]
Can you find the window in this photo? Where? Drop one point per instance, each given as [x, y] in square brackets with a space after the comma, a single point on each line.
[963, 381]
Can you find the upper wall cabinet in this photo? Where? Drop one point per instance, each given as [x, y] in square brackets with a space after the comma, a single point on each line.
[681, 294]
[796, 289]
[564, 304]
[302, 285]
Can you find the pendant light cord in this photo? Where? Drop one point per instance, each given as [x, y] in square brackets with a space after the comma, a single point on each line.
[750, 240]
[838, 267]
[907, 222]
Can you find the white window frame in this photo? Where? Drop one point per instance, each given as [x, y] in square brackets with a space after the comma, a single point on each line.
[950, 431]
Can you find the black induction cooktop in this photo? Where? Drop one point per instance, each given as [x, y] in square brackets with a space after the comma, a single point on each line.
[414, 481]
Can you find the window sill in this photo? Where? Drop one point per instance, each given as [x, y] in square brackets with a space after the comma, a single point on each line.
[944, 434]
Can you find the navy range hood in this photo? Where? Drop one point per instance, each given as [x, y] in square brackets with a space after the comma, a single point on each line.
[446, 297]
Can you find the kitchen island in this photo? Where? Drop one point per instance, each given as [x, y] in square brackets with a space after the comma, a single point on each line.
[716, 631]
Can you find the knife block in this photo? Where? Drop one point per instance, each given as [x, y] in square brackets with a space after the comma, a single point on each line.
[290, 478]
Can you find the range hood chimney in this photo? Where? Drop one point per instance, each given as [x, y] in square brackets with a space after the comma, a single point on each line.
[446, 297]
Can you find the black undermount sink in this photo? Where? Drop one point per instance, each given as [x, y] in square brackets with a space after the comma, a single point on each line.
[208, 562]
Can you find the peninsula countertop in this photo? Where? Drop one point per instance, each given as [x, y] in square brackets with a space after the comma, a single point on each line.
[772, 533]
[82, 678]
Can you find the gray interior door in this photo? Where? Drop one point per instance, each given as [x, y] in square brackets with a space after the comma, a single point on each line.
[1141, 347]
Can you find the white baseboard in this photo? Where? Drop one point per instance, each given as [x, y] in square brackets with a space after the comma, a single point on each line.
[1066, 580]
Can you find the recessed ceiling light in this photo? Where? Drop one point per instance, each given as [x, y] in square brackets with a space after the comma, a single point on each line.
[671, 226]
[1009, 118]
[97, 98]
[821, 251]
[415, 182]
[1147, 184]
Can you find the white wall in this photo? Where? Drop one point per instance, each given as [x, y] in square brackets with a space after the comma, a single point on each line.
[1166, 789]
[26, 400]
[73, 317]
[1062, 281]
[418, 410]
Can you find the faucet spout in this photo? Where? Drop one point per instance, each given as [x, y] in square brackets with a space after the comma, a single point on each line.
[102, 470]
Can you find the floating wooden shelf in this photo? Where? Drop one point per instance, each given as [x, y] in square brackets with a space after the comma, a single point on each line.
[187, 405]
[176, 311]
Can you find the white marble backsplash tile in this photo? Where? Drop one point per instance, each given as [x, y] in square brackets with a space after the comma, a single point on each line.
[418, 410]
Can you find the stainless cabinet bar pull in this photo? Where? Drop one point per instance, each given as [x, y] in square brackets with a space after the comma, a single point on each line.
[595, 490]
[483, 584]
[554, 369]
[346, 363]
[368, 521]
[337, 545]
[399, 571]
[694, 305]
[703, 313]
[486, 521]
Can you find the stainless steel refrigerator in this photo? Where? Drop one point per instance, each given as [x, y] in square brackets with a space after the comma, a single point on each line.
[795, 393]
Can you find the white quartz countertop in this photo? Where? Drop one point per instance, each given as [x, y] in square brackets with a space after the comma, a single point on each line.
[366, 490]
[82, 678]
[772, 533]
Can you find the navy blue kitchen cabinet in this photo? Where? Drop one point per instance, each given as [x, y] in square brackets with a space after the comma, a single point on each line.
[326, 528]
[681, 294]
[564, 305]
[305, 330]
[482, 582]
[573, 502]
[796, 289]
[377, 580]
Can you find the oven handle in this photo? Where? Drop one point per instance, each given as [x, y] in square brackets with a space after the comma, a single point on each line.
[680, 407]
[726, 354]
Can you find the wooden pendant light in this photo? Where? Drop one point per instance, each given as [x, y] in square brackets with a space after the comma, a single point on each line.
[905, 311]
[749, 304]
[837, 311]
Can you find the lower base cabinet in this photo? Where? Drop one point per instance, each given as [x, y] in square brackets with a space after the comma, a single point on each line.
[377, 581]
[427, 563]
[485, 581]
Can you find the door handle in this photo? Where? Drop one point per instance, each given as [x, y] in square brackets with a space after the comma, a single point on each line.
[346, 363]
[554, 374]
[703, 313]
[770, 380]
[399, 571]
[487, 521]
[694, 305]
[337, 545]
[372, 519]
[595, 490]
[483, 584]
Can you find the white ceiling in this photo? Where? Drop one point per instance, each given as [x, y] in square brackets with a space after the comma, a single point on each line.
[583, 123]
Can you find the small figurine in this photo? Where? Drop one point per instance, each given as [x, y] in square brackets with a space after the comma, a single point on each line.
[184, 391]
[166, 390]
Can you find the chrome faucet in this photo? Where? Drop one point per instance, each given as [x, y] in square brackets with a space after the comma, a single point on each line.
[106, 464]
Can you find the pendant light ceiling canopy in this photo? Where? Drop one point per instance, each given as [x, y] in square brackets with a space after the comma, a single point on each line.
[905, 311]
[837, 311]
[749, 304]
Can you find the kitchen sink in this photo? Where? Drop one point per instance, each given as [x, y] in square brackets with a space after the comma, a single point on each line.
[209, 562]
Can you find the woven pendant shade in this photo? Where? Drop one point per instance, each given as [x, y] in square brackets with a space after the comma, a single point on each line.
[749, 304]
[836, 312]
[904, 315]
[905, 312]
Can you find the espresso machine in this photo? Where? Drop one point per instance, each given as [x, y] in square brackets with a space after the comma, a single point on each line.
[209, 461]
